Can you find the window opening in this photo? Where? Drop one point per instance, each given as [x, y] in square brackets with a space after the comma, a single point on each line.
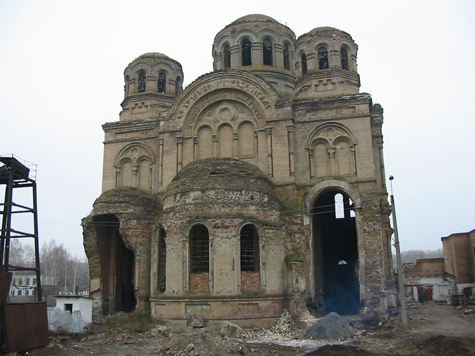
[19, 292]
[249, 249]
[322, 58]
[267, 52]
[162, 80]
[304, 63]
[246, 47]
[227, 56]
[339, 209]
[68, 307]
[142, 82]
[344, 59]
[178, 85]
[162, 261]
[199, 248]
[286, 57]
[27, 292]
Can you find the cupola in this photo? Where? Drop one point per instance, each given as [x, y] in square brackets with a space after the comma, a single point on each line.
[259, 44]
[325, 64]
[152, 81]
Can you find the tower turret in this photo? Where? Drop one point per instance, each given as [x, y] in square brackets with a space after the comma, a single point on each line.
[326, 64]
[152, 81]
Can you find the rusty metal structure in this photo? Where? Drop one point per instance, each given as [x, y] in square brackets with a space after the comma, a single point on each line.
[23, 326]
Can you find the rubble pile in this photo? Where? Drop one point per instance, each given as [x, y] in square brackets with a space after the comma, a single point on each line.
[284, 330]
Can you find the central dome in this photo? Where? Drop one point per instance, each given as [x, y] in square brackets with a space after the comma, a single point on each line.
[254, 18]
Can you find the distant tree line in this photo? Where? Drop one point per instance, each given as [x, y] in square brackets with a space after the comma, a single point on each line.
[57, 265]
[413, 255]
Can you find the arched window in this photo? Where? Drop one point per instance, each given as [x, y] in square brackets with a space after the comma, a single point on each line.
[344, 59]
[162, 82]
[267, 51]
[227, 56]
[322, 58]
[127, 84]
[286, 57]
[142, 82]
[246, 47]
[304, 63]
[199, 249]
[162, 261]
[249, 249]
[178, 85]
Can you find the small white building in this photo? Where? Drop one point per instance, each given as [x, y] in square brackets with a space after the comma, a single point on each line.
[73, 303]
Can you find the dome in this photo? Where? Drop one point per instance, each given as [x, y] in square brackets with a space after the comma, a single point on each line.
[126, 200]
[324, 31]
[221, 184]
[254, 18]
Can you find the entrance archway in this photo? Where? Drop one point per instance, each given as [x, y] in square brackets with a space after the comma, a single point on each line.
[117, 267]
[335, 254]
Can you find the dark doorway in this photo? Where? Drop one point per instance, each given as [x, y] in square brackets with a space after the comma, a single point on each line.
[117, 267]
[335, 254]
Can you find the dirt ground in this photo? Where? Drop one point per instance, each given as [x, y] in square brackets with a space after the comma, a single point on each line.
[433, 329]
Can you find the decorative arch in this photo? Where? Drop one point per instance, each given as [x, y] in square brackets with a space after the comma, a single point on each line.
[134, 166]
[332, 151]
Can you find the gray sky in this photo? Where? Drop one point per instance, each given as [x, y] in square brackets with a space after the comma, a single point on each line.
[61, 78]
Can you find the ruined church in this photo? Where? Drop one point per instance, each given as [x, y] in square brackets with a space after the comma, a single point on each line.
[258, 188]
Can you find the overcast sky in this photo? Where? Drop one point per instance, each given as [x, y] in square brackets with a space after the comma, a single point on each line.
[61, 78]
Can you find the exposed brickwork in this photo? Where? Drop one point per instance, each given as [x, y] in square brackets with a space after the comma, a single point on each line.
[257, 145]
[199, 282]
[250, 282]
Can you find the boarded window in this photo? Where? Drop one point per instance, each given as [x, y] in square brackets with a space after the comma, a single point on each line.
[246, 47]
[225, 141]
[178, 86]
[205, 142]
[199, 249]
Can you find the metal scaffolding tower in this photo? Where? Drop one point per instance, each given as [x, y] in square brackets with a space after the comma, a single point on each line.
[22, 325]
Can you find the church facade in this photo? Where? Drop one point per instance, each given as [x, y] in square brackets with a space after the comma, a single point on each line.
[259, 187]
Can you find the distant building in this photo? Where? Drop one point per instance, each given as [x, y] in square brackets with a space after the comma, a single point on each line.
[444, 279]
[23, 286]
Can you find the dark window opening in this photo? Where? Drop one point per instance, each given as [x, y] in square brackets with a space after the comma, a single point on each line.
[162, 82]
[199, 249]
[304, 63]
[246, 47]
[249, 249]
[68, 307]
[267, 52]
[178, 85]
[142, 82]
[162, 261]
[335, 255]
[227, 56]
[322, 58]
[344, 59]
[286, 57]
